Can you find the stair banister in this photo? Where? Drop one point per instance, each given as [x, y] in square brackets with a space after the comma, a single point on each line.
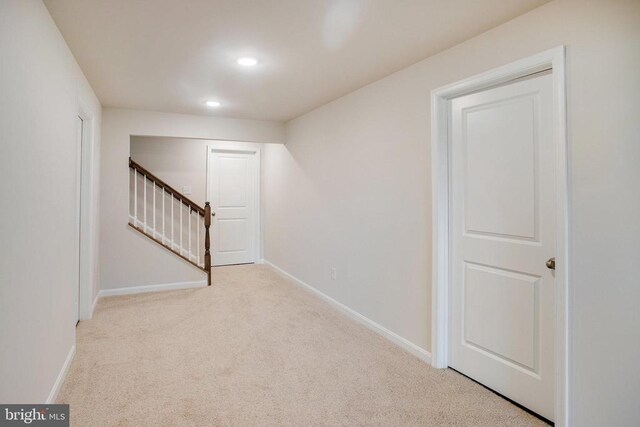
[159, 234]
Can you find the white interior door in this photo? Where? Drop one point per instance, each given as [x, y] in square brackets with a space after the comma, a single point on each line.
[502, 312]
[232, 193]
[79, 136]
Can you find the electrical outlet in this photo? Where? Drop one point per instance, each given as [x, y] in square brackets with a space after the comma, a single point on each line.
[186, 190]
[334, 273]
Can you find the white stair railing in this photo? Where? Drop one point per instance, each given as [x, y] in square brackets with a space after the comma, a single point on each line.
[143, 189]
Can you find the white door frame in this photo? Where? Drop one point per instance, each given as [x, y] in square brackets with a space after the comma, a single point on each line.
[242, 147]
[553, 59]
[85, 214]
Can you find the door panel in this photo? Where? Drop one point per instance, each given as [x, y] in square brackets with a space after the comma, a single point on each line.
[500, 143]
[502, 232]
[233, 182]
[232, 192]
[500, 312]
[232, 235]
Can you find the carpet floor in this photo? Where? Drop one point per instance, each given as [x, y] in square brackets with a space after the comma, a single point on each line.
[256, 350]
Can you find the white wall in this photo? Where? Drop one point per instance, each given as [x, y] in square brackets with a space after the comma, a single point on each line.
[41, 89]
[127, 258]
[176, 161]
[351, 189]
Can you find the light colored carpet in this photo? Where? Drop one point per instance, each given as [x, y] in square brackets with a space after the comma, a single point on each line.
[256, 350]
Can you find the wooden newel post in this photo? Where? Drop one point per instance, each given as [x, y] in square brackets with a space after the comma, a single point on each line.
[207, 241]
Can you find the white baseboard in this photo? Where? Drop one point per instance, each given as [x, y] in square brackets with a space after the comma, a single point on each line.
[151, 288]
[407, 345]
[61, 376]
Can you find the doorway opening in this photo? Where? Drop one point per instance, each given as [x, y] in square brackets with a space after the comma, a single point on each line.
[472, 282]
[233, 188]
[85, 242]
[79, 141]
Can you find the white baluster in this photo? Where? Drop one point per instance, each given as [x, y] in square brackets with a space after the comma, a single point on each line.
[172, 223]
[135, 197]
[130, 196]
[163, 215]
[181, 226]
[154, 210]
[145, 203]
[198, 239]
[190, 231]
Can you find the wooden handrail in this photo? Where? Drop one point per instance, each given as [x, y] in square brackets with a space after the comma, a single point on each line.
[160, 183]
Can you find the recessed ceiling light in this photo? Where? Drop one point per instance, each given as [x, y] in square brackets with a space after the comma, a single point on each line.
[247, 61]
[213, 103]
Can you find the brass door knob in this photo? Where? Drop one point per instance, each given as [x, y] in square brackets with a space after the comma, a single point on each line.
[551, 263]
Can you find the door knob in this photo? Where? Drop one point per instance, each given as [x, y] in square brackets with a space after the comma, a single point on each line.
[551, 263]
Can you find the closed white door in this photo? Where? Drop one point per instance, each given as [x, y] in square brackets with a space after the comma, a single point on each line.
[79, 136]
[502, 297]
[232, 193]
